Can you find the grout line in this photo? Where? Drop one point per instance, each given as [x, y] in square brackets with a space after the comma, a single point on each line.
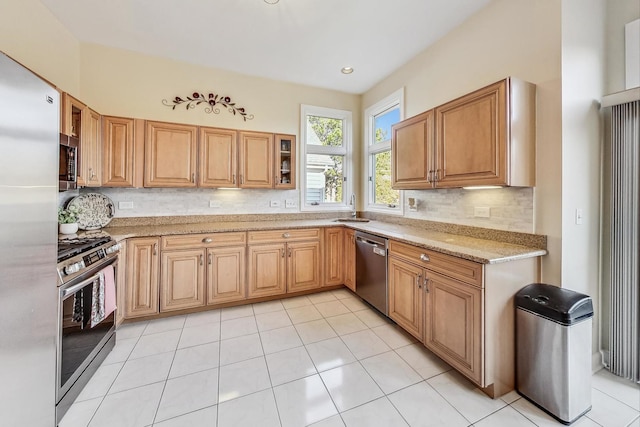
[169, 372]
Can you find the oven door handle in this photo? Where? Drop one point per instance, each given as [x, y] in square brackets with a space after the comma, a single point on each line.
[73, 289]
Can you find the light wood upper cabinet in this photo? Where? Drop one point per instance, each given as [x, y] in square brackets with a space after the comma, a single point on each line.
[406, 296]
[142, 277]
[123, 152]
[217, 159]
[333, 256]
[170, 155]
[226, 274]
[267, 272]
[285, 161]
[182, 279]
[71, 115]
[256, 160]
[350, 259]
[412, 152]
[486, 137]
[454, 325]
[90, 173]
[303, 266]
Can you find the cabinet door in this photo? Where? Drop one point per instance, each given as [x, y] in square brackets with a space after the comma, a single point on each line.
[406, 296]
[217, 158]
[350, 259]
[471, 135]
[256, 160]
[226, 275]
[121, 288]
[454, 325]
[285, 161]
[267, 270]
[170, 155]
[182, 280]
[303, 266]
[119, 151]
[412, 152]
[333, 256]
[91, 149]
[71, 115]
[142, 277]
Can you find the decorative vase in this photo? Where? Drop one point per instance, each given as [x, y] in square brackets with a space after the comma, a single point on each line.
[69, 228]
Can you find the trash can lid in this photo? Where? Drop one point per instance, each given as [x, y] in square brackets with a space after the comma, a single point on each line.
[557, 304]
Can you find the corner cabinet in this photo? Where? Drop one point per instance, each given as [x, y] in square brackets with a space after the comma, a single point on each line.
[486, 137]
[461, 310]
[170, 155]
[141, 284]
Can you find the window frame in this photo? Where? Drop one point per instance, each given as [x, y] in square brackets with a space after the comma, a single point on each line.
[346, 151]
[394, 99]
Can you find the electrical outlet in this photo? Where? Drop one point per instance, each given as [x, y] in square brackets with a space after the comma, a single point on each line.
[214, 204]
[125, 205]
[482, 212]
[290, 203]
[274, 203]
[579, 216]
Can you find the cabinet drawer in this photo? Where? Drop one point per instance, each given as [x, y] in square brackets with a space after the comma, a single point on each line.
[209, 240]
[458, 268]
[272, 236]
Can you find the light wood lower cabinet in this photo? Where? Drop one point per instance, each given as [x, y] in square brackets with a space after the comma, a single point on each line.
[142, 277]
[350, 259]
[454, 324]
[406, 296]
[226, 274]
[333, 256]
[267, 270]
[303, 266]
[182, 279]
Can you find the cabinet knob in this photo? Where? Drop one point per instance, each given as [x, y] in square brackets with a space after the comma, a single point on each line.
[426, 287]
[418, 281]
[425, 258]
[207, 240]
[201, 260]
[234, 179]
[286, 235]
[193, 177]
[282, 253]
[155, 249]
[210, 259]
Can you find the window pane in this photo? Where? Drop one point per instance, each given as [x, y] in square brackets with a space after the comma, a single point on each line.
[383, 194]
[324, 131]
[382, 124]
[324, 178]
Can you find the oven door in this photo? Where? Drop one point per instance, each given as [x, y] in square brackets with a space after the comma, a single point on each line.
[78, 342]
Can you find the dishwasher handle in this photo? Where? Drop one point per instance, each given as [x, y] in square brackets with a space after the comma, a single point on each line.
[375, 245]
[366, 241]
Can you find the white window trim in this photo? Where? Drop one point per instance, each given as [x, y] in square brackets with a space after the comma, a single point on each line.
[389, 101]
[345, 150]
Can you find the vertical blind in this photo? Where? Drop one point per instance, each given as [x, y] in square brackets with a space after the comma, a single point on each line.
[623, 283]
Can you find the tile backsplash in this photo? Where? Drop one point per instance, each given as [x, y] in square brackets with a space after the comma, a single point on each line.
[510, 208]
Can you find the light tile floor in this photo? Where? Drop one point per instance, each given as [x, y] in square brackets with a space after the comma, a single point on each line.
[323, 360]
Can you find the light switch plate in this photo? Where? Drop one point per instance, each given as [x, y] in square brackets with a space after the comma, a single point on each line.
[125, 205]
[274, 203]
[214, 204]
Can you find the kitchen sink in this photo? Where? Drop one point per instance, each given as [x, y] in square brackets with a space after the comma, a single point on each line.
[351, 220]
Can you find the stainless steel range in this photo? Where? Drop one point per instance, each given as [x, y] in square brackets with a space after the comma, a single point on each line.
[87, 269]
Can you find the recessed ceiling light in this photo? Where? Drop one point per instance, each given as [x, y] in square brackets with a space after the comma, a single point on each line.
[347, 70]
[271, 1]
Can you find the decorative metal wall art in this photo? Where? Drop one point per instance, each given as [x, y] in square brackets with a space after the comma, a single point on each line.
[210, 103]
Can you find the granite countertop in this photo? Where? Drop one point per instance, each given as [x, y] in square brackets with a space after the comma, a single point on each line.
[483, 251]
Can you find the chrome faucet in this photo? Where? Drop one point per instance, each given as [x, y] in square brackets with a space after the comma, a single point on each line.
[353, 204]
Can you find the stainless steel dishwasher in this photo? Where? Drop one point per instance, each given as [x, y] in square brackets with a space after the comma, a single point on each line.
[371, 270]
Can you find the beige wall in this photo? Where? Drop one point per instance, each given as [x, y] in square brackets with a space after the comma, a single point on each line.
[31, 35]
[583, 82]
[518, 38]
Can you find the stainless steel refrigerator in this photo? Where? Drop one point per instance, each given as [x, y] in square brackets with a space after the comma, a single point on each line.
[29, 149]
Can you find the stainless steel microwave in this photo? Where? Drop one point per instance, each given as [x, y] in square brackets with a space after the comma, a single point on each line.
[69, 147]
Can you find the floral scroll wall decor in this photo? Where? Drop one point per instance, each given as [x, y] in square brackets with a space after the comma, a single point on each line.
[211, 104]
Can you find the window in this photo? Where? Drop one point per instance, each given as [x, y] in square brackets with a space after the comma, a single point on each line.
[325, 158]
[378, 121]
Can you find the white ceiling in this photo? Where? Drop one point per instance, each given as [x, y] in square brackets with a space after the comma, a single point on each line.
[299, 41]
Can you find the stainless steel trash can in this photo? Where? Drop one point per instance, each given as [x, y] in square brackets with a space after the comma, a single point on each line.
[553, 349]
